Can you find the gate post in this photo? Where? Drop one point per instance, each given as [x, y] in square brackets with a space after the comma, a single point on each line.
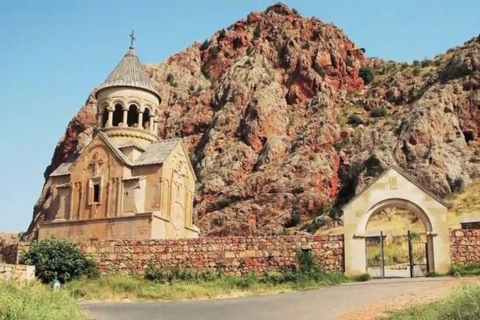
[382, 256]
[410, 253]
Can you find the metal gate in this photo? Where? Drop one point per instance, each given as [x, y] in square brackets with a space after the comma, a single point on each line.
[418, 254]
[378, 258]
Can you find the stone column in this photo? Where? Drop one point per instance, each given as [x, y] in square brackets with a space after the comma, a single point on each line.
[140, 119]
[151, 122]
[155, 127]
[110, 117]
[99, 120]
[125, 117]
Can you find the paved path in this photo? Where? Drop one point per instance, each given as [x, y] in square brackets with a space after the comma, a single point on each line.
[325, 304]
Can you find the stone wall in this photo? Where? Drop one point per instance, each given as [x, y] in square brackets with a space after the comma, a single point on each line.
[464, 246]
[17, 272]
[234, 255]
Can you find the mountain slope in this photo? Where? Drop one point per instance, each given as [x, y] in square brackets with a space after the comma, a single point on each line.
[282, 128]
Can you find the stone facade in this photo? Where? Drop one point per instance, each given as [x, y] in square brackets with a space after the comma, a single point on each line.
[464, 246]
[234, 255]
[17, 272]
[127, 183]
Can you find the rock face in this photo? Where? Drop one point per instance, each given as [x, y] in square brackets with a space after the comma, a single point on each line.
[281, 127]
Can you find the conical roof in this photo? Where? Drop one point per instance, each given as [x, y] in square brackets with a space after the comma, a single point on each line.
[129, 73]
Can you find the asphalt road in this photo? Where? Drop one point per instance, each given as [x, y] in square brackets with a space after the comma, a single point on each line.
[328, 303]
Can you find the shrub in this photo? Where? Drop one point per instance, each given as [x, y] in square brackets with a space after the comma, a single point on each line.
[58, 259]
[349, 63]
[416, 63]
[319, 69]
[307, 262]
[416, 71]
[458, 185]
[316, 224]
[426, 62]
[366, 74]
[214, 52]
[295, 220]
[205, 45]
[472, 269]
[306, 45]
[295, 11]
[258, 32]
[354, 120]
[378, 112]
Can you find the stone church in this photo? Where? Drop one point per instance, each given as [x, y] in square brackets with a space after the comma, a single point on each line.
[127, 183]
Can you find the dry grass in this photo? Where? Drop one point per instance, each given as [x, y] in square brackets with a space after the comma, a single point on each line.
[28, 301]
[127, 288]
[464, 205]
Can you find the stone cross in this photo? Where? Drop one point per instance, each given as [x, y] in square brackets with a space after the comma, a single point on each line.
[96, 162]
[132, 39]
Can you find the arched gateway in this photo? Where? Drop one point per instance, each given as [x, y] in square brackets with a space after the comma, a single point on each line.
[393, 188]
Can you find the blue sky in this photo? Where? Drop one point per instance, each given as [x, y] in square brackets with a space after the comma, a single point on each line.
[53, 53]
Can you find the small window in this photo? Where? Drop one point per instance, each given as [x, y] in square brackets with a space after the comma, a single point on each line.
[96, 193]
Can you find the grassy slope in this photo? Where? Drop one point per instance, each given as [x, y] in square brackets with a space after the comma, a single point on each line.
[463, 304]
[36, 301]
[465, 204]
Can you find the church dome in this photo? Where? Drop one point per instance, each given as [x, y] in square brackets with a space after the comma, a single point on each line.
[129, 73]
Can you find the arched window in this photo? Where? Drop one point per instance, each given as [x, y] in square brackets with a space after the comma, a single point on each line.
[146, 119]
[132, 119]
[104, 116]
[117, 115]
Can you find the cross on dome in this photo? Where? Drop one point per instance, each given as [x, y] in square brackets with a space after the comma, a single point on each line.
[132, 39]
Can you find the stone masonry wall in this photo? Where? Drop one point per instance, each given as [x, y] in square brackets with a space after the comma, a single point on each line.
[17, 272]
[234, 255]
[464, 246]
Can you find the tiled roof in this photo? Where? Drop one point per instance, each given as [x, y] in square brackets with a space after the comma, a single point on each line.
[157, 152]
[130, 73]
[131, 144]
[64, 168]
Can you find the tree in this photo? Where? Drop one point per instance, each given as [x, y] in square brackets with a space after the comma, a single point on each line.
[366, 74]
[58, 259]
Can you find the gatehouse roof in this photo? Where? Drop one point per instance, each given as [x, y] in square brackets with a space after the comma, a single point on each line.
[406, 176]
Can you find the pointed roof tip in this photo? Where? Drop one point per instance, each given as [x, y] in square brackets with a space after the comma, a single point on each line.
[130, 73]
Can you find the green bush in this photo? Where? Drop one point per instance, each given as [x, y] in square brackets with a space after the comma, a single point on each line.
[354, 120]
[416, 71]
[33, 300]
[349, 63]
[258, 32]
[472, 269]
[307, 262]
[366, 74]
[294, 221]
[458, 185]
[58, 259]
[205, 45]
[319, 69]
[378, 112]
[425, 63]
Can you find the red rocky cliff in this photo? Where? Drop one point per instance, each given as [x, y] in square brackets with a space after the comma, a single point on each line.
[265, 108]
